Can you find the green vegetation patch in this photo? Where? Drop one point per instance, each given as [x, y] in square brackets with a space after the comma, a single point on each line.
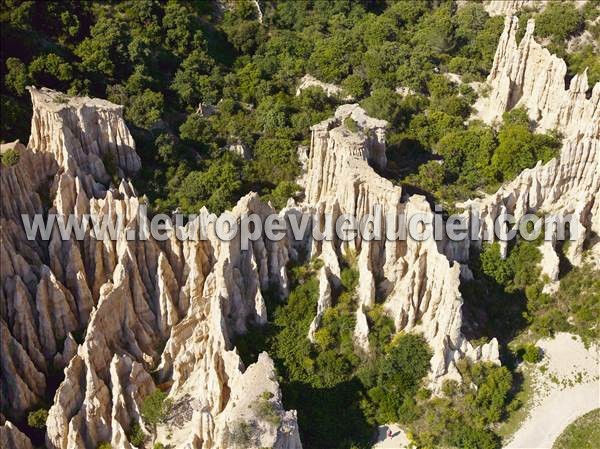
[584, 433]
[10, 157]
[341, 394]
[37, 419]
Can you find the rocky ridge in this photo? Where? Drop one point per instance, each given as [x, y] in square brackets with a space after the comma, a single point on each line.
[418, 283]
[528, 75]
[101, 309]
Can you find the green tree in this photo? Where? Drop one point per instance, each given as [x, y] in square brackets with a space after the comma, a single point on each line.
[10, 157]
[145, 109]
[467, 155]
[384, 104]
[197, 79]
[531, 353]
[396, 377]
[280, 194]
[519, 149]
[430, 176]
[329, 61]
[275, 160]
[179, 28]
[136, 435]
[583, 58]
[216, 188]
[494, 265]
[106, 44]
[559, 20]
[198, 132]
[16, 77]
[50, 70]
[355, 86]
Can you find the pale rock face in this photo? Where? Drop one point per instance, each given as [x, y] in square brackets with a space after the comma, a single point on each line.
[323, 303]
[194, 297]
[129, 297]
[13, 438]
[81, 133]
[330, 89]
[241, 150]
[420, 284]
[24, 383]
[254, 395]
[528, 75]
[405, 91]
[510, 7]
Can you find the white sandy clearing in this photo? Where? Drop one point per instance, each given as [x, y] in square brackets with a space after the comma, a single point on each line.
[397, 441]
[567, 389]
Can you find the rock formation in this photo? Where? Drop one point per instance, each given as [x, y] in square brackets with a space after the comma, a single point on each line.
[419, 283]
[330, 89]
[13, 438]
[118, 315]
[102, 308]
[528, 75]
[510, 7]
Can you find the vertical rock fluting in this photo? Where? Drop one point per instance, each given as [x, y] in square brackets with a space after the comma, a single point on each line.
[419, 283]
[528, 75]
[81, 133]
[126, 297]
[509, 7]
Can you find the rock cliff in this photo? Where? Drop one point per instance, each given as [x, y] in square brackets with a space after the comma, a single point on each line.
[510, 7]
[528, 75]
[103, 309]
[120, 318]
[419, 284]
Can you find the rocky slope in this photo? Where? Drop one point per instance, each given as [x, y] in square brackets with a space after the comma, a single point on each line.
[527, 75]
[102, 309]
[418, 283]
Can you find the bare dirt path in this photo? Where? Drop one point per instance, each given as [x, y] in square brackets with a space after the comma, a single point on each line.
[566, 386]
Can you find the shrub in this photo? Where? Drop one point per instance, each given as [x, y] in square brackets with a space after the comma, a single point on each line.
[145, 109]
[559, 20]
[351, 125]
[266, 409]
[242, 435]
[104, 445]
[275, 160]
[10, 157]
[279, 195]
[16, 77]
[136, 435]
[531, 353]
[155, 407]
[394, 379]
[355, 86]
[37, 419]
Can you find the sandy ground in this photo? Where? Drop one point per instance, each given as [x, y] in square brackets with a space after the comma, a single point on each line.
[397, 441]
[566, 385]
